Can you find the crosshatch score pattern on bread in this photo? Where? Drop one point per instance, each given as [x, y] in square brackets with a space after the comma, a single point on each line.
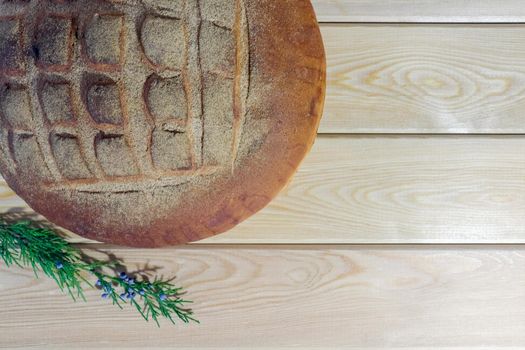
[135, 121]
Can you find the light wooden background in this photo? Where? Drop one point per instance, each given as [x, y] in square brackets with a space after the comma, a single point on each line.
[403, 228]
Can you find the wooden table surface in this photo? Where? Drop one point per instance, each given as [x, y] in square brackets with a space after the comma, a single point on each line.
[404, 228]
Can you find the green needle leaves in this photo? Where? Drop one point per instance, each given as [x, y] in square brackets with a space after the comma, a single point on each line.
[43, 250]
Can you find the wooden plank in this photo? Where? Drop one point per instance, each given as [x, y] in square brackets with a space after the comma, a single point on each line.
[376, 189]
[310, 297]
[462, 11]
[425, 78]
[395, 189]
[394, 78]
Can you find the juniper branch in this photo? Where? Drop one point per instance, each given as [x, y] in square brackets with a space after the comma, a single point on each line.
[43, 250]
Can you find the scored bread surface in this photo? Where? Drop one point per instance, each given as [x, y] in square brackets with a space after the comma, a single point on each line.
[156, 122]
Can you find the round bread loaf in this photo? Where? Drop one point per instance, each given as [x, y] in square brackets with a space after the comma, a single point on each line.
[156, 122]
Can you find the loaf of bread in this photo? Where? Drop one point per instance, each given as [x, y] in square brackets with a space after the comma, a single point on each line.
[156, 122]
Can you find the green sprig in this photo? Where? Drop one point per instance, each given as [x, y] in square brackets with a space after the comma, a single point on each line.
[26, 245]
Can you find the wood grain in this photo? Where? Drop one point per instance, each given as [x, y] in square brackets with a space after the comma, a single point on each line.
[461, 11]
[310, 297]
[393, 78]
[424, 78]
[394, 189]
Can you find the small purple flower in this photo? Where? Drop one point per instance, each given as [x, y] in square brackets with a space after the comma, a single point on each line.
[163, 297]
[105, 295]
[142, 292]
[123, 276]
[123, 296]
[59, 265]
[130, 281]
[98, 283]
[131, 295]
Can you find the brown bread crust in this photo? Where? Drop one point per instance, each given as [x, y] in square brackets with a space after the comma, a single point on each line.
[276, 112]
